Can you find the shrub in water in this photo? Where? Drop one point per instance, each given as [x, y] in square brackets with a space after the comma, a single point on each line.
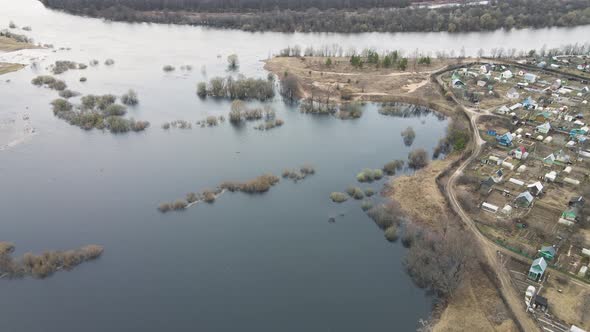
[391, 234]
[338, 197]
[393, 166]
[130, 98]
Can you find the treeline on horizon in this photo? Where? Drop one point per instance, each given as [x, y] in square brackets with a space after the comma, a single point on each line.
[336, 15]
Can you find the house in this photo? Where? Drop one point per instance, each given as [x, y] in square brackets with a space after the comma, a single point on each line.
[512, 94]
[583, 271]
[547, 252]
[544, 128]
[498, 176]
[537, 269]
[486, 185]
[577, 201]
[529, 103]
[507, 74]
[505, 140]
[549, 160]
[520, 153]
[536, 188]
[515, 106]
[524, 199]
[529, 77]
[569, 217]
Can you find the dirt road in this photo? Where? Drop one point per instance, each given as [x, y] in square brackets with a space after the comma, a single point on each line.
[490, 250]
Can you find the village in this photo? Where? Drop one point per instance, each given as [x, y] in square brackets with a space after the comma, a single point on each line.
[527, 189]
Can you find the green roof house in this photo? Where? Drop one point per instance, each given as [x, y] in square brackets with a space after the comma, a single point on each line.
[537, 269]
[547, 252]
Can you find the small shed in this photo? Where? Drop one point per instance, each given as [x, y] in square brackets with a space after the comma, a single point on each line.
[540, 303]
[507, 74]
[521, 168]
[583, 271]
[516, 182]
[507, 210]
[547, 252]
[537, 269]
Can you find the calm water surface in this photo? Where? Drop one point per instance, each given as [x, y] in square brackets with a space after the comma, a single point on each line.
[246, 263]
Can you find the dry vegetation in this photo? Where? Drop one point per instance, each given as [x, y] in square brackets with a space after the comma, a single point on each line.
[9, 67]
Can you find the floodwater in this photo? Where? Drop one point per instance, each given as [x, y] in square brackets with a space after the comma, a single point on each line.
[267, 262]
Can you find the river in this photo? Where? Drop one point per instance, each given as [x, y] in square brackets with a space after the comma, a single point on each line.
[268, 262]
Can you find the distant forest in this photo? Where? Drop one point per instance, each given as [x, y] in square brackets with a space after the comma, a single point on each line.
[336, 15]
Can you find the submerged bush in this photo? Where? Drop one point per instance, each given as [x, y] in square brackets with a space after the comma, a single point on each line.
[179, 204]
[393, 166]
[63, 66]
[44, 265]
[338, 197]
[202, 89]
[211, 121]
[366, 205]
[302, 173]
[68, 94]
[168, 68]
[352, 110]
[115, 110]
[130, 98]
[83, 79]
[43, 80]
[164, 207]
[260, 184]
[109, 62]
[369, 175]
[369, 192]
[391, 234]
[408, 135]
[355, 192]
[240, 88]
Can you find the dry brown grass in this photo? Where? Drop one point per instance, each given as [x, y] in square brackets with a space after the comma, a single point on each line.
[569, 304]
[10, 45]
[418, 194]
[9, 67]
[316, 78]
[476, 306]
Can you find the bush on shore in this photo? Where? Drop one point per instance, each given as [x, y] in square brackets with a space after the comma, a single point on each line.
[391, 234]
[417, 159]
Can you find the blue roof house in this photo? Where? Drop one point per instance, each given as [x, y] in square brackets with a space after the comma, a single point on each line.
[505, 140]
[537, 269]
